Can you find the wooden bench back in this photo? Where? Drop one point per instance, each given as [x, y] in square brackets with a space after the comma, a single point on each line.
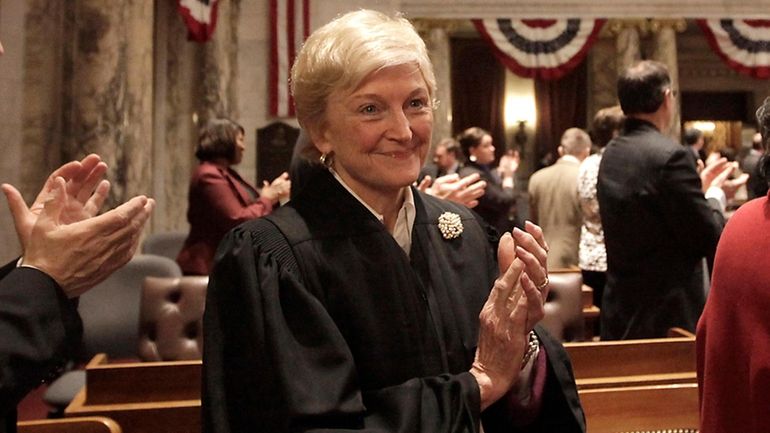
[144, 397]
[93, 424]
[641, 408]
[632, 357]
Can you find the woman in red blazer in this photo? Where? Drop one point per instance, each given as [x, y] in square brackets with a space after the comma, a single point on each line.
[219, 198]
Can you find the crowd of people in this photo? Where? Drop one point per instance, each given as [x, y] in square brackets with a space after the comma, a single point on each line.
[371, 291]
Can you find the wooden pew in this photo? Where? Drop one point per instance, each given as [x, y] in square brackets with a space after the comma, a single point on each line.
[69, 425]
[590, 312]
[633, 362]
[637, 385]
[679, 332]
[641, 408]
[144, 397]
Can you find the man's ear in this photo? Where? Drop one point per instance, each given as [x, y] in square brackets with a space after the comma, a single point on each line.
[560, 150]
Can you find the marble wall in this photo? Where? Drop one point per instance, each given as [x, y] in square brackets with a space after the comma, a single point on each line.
[109, 90]
[12, 25]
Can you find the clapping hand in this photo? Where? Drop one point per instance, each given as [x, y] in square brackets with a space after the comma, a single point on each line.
[61, 234]
[85, 195]
[514, 306]
[279, 188]
[465, 191]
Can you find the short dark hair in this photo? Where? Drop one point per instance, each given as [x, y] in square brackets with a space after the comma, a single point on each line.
[452, 146]
[217, 140]
[691, 136]
[471, 137]
[606, 122]
[642, 87]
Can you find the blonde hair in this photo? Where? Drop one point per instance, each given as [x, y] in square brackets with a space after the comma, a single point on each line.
[339, 55]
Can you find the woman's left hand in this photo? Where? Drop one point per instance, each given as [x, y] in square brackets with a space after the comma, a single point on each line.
[531, 248]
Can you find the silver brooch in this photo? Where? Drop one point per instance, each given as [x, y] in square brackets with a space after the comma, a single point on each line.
[450, 224]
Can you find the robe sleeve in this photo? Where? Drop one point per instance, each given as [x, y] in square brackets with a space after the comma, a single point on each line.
[274, 360]
[39, 330]
[556, 405]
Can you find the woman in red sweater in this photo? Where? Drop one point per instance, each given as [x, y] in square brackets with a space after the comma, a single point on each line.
[219, 198]
[733, 338]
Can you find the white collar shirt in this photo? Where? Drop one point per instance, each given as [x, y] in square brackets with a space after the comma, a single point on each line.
[402, 232]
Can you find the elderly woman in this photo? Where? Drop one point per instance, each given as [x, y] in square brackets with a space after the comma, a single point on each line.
[364, 304]
[219, 198]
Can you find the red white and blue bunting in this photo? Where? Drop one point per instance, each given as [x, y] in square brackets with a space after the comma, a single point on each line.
[200, 17]
[743, 44]
[546, 49]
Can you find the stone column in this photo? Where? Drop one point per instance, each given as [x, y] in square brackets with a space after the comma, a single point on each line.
[603, 76]
[664, 51]
[178, 73]
[108, 103]
[220, 65]
[41, 108]
[627, 41]
[436, 35]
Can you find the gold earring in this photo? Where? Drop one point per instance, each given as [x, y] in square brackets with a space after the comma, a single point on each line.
[326, 159]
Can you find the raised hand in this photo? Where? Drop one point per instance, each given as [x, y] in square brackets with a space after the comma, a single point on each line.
[532, 249]
[715, 172]
[465, 191]
[85, 195]
[81, 254]
[502, 329]
[278, 189]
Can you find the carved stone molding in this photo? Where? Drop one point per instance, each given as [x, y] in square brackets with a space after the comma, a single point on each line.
[425, 25]
[615, 27]
[583, 9]
[657, 24]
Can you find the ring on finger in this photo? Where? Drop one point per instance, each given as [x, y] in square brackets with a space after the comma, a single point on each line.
[542, 285]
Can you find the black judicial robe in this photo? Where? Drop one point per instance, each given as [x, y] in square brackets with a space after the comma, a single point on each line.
[316, 320]
[39, 330]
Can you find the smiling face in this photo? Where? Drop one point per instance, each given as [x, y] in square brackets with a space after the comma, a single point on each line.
[380, 132]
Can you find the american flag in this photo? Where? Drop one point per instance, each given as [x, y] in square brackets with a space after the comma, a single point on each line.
[289, 27]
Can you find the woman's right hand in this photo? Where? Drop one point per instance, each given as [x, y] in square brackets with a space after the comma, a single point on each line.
[278, 189]
[503, 330]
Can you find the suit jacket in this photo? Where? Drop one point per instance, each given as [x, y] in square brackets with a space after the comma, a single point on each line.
[732, 345]
[39, 330]
[658, 226]
[554, 205]
[219, 199]
[317, 319]
[496, 206]
[429, 169]
[433, 170]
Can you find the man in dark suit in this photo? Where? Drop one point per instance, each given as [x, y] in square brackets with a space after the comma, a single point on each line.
[446, 160]
[67, 250]
[658, 224]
